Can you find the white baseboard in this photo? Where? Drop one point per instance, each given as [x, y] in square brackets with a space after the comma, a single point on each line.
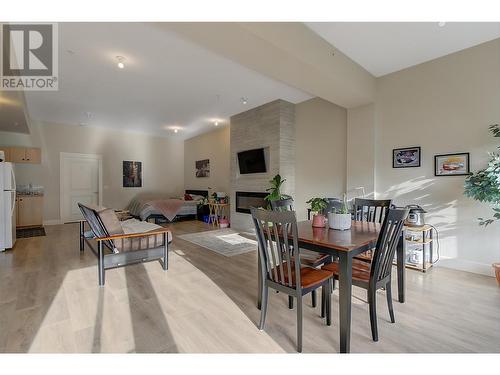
[52, 222]
[467, 265]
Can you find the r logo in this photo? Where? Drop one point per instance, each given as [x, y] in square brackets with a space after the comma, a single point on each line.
[27, 50]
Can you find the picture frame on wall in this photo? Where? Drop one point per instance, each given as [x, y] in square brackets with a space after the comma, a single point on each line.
[202, 168]
[408, 157]
[457, 164]
[132, 173]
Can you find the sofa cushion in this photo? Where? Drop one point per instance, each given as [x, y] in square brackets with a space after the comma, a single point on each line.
[140, 243]
[110, 221]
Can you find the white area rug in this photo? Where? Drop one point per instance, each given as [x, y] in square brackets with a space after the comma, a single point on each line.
[226, 242]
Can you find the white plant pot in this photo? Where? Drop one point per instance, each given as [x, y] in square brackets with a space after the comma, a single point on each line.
[339, 221]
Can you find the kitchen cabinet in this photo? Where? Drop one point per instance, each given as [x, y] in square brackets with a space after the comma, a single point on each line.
[29, 209]
[31, 155]
[6, 151]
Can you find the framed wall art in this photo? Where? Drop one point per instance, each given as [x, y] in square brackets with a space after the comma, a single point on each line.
[452, 164]
[132, 174]
[406, 157]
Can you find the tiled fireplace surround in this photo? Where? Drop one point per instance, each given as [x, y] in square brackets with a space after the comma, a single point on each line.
[272, 127]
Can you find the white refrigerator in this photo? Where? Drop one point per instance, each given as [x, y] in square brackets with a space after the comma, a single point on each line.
[7, 206]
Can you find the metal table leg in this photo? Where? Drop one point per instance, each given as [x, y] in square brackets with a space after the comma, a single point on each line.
[401, 260]
[345, 293]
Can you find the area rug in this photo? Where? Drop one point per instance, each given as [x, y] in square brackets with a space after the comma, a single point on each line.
[227, 242]
[30, 232]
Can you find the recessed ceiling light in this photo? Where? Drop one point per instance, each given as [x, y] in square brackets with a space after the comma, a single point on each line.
[216, 123]
[121, 61]
[244, 100]
[441, 24]
[176, 130]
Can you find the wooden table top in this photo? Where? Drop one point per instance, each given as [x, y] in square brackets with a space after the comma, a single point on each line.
[361, 233]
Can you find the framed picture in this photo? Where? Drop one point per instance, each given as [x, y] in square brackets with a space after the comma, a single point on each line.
[132, 174]
[202, 168]
[452, 164]
[406, 157]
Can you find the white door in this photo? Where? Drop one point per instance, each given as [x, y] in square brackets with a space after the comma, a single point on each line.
[81, 182]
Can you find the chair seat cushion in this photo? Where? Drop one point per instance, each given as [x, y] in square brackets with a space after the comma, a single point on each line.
[360, 270]
[309, 277]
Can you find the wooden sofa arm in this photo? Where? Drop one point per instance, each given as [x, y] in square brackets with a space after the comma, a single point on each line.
[133, 235]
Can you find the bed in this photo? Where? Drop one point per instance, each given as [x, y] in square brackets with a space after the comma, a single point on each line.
[153, 207]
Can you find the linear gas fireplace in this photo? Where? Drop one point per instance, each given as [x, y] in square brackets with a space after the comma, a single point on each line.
[247, 199]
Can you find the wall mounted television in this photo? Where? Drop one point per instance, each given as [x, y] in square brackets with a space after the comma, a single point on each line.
[252, 161]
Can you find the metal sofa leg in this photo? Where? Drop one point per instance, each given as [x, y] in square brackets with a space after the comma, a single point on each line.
[100, 264]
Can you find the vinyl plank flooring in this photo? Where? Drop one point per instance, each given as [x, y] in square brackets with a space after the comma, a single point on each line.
[205, 303]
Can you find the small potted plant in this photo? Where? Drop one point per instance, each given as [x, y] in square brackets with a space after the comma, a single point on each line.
[317, 207]
[340, 219]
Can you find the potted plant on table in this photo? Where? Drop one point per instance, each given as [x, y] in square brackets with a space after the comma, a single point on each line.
[317, 207]
[484, 186]
[340, 219]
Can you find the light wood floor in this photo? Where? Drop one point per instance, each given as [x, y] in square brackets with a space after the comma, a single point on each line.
[50, 302]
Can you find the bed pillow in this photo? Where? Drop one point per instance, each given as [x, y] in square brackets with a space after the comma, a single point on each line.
[188, 197]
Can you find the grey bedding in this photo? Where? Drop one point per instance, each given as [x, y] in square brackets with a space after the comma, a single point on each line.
[141, 207]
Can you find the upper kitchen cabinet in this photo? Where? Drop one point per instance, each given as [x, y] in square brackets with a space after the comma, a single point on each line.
[31, 155]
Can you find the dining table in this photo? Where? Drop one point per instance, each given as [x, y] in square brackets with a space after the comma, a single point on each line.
[345, 245]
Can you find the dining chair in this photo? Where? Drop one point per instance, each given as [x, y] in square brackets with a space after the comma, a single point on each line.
[377, 274]
[332, 204]
[308, 258]
[372, 210]
[280, 266]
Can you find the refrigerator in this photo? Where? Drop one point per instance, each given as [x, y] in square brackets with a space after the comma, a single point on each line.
[7, 206]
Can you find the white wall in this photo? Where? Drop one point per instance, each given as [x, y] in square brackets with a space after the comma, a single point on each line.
[444, 106]
[320, 169]
[360, 167]
[163, 161]
[213, 146]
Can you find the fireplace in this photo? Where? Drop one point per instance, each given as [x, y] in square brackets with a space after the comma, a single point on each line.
[247, 199]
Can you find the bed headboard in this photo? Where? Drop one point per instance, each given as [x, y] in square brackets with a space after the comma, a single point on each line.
[198, 192]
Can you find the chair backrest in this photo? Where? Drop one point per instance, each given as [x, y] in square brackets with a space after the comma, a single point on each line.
[278, 246]
[95, 223]
[332, 204]
[371, 209]
[386, 244]
[285, 204]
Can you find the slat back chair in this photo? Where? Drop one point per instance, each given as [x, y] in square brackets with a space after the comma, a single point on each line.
[280, 266]
[285, 204]
[332, 204]
[378, 274]
[372, 210]
[386, 246]
[309, 258]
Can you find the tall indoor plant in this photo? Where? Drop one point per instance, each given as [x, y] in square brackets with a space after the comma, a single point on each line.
[274, 192]
[484, 186]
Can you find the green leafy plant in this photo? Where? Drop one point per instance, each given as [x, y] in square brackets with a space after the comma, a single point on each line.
[484, 185]
[317, 204]
[344, 209]
[275, 189]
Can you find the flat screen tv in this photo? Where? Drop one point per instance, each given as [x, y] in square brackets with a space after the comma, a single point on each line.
[252, 161]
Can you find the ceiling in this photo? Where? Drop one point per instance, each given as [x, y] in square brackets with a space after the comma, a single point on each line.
[168, 82]
[385, 47]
